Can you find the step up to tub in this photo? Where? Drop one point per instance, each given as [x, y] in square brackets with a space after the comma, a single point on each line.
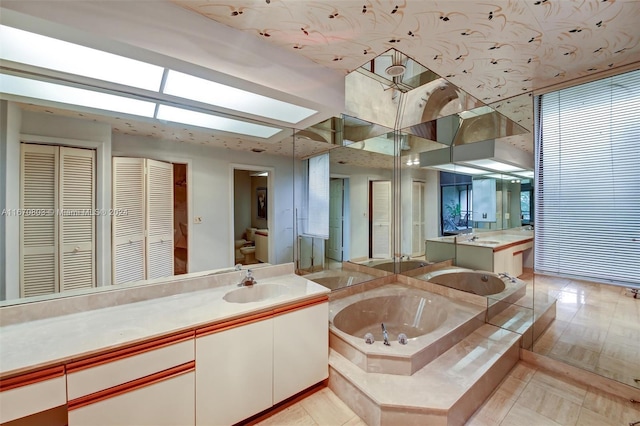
[444, 392]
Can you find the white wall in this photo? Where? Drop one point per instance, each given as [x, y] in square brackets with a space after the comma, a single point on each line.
[242, 202]
[211, 242]
[10, 120]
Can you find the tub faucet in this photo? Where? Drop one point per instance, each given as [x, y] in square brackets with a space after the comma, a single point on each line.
[506, 275]
[248, 280]
[475, 237]
[238, 266]
[385, 336]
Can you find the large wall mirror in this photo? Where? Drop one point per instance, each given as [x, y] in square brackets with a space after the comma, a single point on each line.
[210, 207]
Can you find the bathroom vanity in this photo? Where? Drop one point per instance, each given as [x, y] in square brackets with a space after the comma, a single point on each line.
[210, 353]
[496, 251]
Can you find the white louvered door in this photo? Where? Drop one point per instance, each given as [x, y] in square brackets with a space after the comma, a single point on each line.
[38, 227]
[159, 194]
[77, 220]
[417, 218]
[128, 237]
[381, 220]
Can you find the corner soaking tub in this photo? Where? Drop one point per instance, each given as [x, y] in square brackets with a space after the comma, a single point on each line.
[432, 323]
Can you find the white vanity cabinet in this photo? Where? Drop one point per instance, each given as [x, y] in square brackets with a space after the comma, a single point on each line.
[234, 370]
[300, 349]
[32, 393]
[246, 365]
[148, 384]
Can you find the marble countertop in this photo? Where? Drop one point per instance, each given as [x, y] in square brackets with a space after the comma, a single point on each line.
[52, 341]
[495, 239]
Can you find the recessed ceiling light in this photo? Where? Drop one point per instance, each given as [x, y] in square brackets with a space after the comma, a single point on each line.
[495, 165]
[395, 70]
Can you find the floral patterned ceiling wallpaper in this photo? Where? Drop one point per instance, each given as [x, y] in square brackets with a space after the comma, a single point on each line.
[492, 49]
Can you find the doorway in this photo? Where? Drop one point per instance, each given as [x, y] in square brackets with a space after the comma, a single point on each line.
[251, 214]
[180, 220]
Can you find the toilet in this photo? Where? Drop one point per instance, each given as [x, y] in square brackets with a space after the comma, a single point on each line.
[249, 253]
[238, 245]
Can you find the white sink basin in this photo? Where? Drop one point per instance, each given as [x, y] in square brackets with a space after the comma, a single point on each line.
[255, 293]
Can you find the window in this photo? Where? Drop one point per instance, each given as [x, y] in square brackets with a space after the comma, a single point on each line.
[318, 196]
[587, 205]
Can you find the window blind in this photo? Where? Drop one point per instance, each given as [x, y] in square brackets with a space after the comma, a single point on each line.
[318, 196]
[587, 191]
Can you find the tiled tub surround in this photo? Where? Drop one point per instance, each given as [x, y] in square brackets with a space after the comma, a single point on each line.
[157, 327]
[462, 359]
[432, 323]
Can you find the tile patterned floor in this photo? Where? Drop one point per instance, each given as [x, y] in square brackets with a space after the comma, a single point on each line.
[597, 328]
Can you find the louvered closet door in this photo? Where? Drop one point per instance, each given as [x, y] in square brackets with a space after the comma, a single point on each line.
[159, 219]
[417, 218]
[38, 231]
[77, 223]
[128, 228]
[381, 226]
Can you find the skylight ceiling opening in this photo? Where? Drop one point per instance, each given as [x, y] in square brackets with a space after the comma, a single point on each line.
[209, 92]
[35, 89]
[46, 52]
[200, 119]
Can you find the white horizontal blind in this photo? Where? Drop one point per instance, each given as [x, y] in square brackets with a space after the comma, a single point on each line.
[318, 196]
[588, 202]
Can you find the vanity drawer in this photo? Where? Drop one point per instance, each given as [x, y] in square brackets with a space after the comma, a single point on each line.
[32, 393]
[125, 365]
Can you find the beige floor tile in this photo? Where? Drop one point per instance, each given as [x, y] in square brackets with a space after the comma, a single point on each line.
[494, 409]
[522, 371]
[326, 408]
[294, 415]
[589, 418]
[563, 386]
[355, 421]
[575, 355]
[520, 415]
[552, 405]
[617, 410]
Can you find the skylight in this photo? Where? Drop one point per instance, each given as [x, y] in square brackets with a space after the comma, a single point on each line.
[46, 52]
[194, 118]
[212, 93]
[36, 89]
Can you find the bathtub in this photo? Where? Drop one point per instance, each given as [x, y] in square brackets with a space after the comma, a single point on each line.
[433, 324]
[482, 283]
[406, 265]
[339, 278]
[476, 282]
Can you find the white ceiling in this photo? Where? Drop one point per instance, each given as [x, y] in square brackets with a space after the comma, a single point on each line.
[494, 50]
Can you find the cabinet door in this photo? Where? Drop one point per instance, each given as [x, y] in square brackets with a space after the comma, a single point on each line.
[170, 401]
[300, 351]
[234, 373]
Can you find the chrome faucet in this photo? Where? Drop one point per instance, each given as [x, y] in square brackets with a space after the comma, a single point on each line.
[238, 266]
[248, 280]
[506, 275]
[475, 237]
[385, 336]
